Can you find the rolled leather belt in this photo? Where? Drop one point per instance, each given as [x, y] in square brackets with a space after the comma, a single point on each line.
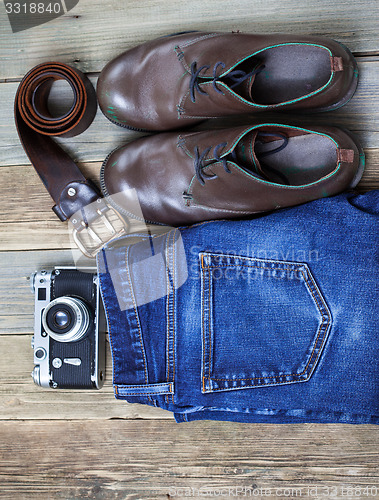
[62, 178]
[72, 193]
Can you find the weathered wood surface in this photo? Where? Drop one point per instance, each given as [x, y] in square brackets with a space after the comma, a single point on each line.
[16, 298]
[158, 459]
[21, 399]
[23, 197]
[97, 30]
[93, 145]
[85, 444]
[27, 221]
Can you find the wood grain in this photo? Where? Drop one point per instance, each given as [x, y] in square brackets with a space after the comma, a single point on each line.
[21, 399]
[81, 39]
[16, 298]
[92, 145]
[24, 199]
[28, 223]
[159, 459]
[85, 444]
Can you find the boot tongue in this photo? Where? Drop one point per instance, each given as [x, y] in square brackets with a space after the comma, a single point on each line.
[244, 89]
[245, 156]
[250, 152]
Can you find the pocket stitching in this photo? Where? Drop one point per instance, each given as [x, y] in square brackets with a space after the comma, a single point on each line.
[308, 278]
[315, 343]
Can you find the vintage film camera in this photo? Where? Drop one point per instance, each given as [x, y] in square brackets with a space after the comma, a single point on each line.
[69, 329]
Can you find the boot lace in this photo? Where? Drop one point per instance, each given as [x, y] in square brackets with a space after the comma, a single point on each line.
[237, 76]
[199, 160]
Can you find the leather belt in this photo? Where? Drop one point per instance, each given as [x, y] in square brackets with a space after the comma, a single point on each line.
[76, 198]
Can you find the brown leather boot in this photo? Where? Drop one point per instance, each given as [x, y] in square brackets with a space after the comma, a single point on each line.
[183, 79]
[222, 174]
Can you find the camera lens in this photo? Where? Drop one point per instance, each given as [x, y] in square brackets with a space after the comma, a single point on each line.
[60, 316]
[61, 319]
[66, 319]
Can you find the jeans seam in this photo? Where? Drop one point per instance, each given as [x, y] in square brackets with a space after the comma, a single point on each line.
[111, 341]
[210, 298]
[141, 394]
[167, 311]
[137, 318]
[170, 304]
[203, 320]
[173, 311]
[109, 327]
[322, 326]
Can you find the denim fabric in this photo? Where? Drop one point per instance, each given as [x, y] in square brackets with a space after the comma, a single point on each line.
[272, 319]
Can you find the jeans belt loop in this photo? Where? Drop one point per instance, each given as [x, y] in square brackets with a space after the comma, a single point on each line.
[145, 389]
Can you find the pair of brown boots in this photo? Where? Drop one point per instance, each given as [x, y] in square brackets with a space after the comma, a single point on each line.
[181, 80]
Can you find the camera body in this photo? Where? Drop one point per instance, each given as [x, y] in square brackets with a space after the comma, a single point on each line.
[69, 329]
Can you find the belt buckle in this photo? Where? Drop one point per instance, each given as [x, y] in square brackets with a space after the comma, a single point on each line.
[95, 228]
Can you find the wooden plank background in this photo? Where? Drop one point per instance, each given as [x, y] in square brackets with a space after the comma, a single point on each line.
[84, 444]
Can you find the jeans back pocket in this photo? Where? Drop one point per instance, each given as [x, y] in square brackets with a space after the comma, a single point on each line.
[264, 322]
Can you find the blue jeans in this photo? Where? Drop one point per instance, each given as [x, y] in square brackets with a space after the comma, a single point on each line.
[271, 319]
